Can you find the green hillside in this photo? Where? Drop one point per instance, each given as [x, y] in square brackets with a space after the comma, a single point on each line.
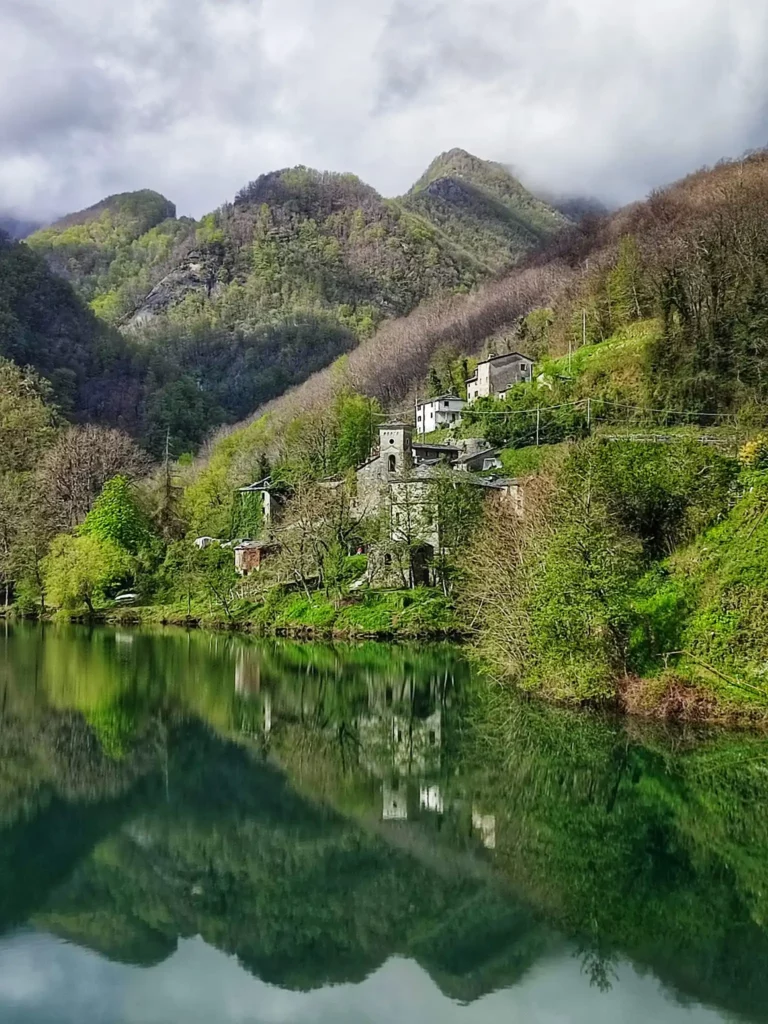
[114, 252]
[299, 242]
[223, 314]
[296, 242]
[95, 372]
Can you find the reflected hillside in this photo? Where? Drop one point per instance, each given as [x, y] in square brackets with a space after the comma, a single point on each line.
[315, 810]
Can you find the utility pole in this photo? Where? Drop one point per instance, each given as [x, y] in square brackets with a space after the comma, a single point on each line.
[538, 423]
[583, 327]
[589, 415]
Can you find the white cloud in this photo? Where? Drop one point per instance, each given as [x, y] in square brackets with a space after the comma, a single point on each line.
[196, 97]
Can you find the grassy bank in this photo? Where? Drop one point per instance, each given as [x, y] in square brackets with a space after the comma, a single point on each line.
[422, 613]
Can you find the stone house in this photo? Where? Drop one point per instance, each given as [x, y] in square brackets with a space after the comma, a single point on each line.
[400, 477]
[268, 497]
[398, 480]
[495, 376]
[250, 555]
[436, 413]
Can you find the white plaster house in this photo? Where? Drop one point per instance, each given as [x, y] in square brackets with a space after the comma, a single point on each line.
[437, 413]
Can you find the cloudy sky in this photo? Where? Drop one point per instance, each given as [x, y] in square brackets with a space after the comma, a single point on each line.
[196, 97]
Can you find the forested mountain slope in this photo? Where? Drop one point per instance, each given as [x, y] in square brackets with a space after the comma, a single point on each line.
[113, 252]
[687, 266]
[296, 242]
[182, 388]
[95, 372]
[483, 208]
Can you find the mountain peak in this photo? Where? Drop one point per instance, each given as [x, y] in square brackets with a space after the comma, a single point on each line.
[137, 211]
[481, 203]
[308, 191]
[457, 163]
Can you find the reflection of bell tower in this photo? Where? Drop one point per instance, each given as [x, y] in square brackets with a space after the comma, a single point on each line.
[395, 447]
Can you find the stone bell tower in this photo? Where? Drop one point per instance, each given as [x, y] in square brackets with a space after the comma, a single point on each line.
[395, 449]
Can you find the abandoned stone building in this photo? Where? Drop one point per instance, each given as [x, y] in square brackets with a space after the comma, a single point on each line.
[495, 376]
[400, 478]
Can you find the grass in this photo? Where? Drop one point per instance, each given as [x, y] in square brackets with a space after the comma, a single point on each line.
[401, 614]
[524, 461]
[623, 346]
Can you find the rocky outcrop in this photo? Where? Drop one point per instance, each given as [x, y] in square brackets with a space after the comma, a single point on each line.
[198, 271]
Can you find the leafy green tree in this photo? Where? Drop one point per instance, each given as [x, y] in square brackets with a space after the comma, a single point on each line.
[117, 517]
[356, 424]
[83, 570]
[180, 571]
[27, 421]
[458, 509]
[27, 429]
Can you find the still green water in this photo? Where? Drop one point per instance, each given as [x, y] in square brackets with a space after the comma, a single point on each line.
[212, 830]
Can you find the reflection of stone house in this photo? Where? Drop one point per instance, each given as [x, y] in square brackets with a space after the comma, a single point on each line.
[394, 804]
[495, 376]
[484, 825]
[431, 798]
[402, 730]
[416, 741]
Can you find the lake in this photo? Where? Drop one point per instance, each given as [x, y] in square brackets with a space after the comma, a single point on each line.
[210, 829]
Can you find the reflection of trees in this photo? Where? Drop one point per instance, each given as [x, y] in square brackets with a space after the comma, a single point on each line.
[645, 845]
[299, 894]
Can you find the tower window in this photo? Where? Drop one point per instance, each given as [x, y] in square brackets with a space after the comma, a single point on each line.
[392, 463]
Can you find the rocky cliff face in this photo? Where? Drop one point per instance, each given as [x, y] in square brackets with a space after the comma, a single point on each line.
[195, 274]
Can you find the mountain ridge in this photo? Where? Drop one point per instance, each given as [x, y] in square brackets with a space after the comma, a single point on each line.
[119, 250]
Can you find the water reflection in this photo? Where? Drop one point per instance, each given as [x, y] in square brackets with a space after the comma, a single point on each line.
[191, 806]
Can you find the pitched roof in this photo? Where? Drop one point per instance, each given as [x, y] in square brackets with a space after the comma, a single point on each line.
[493, 359]
[440, 398]
[479, 455]
[506, 355]
[436, 447]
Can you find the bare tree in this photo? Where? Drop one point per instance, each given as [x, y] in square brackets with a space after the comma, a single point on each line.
[74, 470]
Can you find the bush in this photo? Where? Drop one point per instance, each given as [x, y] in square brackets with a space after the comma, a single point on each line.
[754, 454]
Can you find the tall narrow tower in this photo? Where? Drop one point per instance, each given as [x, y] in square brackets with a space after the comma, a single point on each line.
[396, 449]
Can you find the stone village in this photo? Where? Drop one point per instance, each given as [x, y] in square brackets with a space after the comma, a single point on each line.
[399, 476]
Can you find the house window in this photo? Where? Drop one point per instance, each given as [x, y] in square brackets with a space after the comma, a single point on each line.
[392, 463]
[446, 404]
[432, 737]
